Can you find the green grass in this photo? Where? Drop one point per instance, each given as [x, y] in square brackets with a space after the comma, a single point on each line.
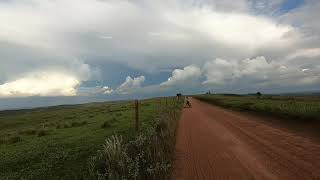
[56, 142]
[148, 155]
[283, 106]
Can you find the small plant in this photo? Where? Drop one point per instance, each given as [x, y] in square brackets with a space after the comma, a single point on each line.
[83, 123]
[42, 132]
[118, 114]
[14, 139]
[30, 131]
[59, 126]
[106, 124]
[10, 139]
[66, 125]
[113, 119]
[76, 124]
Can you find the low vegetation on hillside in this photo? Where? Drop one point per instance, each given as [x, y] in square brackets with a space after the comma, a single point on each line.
[297, 107]
[73, 142]
[148, 155]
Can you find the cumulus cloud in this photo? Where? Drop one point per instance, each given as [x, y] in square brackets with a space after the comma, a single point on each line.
[104, 90]
[41, 84]
[89, 28]
[183, 77]
[258, 72]
[305, 53]
[130, 84]
[235, 29]
[46, 80]
[234, 42]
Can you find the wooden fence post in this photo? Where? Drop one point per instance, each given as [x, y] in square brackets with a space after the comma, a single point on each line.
[136, 103]
[166, 101]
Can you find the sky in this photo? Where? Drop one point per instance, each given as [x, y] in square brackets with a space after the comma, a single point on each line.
[74, 51]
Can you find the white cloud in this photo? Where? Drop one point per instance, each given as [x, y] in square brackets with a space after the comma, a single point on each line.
[105, 37]
[305, 53]
[171, 27]
[219, 71]
[235, 29]
[130, 84]
[41, 84]
[47, 80]
[106, 90]
[39, 35]
[258, 72]
[183, 77]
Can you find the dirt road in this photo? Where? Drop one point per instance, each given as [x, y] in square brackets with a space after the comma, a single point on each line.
[214, 143]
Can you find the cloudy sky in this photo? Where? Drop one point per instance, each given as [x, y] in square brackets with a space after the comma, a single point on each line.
[70, 51]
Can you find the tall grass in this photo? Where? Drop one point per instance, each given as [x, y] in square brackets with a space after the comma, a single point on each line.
[148, 155]
[297, 108]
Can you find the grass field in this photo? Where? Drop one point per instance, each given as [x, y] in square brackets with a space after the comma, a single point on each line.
[296, 107]
[56, 142]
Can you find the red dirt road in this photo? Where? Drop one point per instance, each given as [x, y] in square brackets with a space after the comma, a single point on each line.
[214, 143]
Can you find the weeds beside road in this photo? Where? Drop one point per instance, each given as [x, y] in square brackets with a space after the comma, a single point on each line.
[148, 155]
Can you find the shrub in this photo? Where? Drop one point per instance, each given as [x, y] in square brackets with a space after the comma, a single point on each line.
[59, 126]
[113, 119]
[106, 124]
[110, 163]
[66, 125]
[42, 132]
[30, 131]
[10, 139]
[14, 139]
[69, 117]
[76, 124]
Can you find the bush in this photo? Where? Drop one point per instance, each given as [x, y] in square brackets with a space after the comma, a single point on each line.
[59, 126]
[106, 124]
[110, 163]
[14, 139]
[30, 131]
[76, 124]
[66, 125]
[91, 116]
[42, 132]
[10, 139]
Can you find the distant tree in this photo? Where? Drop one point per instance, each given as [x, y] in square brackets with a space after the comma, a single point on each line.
[259, 94]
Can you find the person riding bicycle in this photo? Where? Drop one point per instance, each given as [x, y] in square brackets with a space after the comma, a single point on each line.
[188, 103]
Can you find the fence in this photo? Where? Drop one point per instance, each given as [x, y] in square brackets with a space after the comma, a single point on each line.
[163, 102]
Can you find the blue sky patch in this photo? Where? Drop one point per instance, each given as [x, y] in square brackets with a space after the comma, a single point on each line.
[289, 5]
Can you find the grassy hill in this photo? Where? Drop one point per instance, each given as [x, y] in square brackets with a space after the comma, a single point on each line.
[56, 142]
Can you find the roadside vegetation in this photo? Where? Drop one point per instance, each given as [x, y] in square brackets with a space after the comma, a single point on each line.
[148, 155]
[89, 141]
[297, 107]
